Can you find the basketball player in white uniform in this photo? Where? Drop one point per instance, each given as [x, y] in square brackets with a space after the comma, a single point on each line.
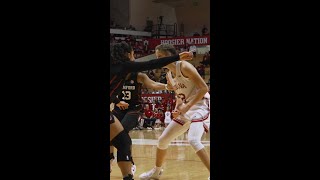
[190, 115]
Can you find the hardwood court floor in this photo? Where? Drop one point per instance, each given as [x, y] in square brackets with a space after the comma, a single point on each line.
[181, 161]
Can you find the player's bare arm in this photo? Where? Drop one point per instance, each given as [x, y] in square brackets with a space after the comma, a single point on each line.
[150, 84]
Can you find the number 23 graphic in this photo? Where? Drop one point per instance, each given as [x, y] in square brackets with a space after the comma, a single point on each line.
[126, 95]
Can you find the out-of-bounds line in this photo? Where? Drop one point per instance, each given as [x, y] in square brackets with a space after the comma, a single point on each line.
[173, 143]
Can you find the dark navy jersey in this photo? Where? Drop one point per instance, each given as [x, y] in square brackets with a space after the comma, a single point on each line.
[131, 91]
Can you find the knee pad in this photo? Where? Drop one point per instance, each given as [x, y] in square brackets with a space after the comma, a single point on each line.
[163, 143]
[196, 144]
[123, 144]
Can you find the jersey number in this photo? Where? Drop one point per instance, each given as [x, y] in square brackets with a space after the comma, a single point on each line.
[126, 95]
[183, 97]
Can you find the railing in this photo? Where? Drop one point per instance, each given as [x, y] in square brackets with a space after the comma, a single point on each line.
[164, 30]
[129, 32]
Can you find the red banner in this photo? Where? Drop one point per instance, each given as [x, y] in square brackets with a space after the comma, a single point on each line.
[180, 41]
[167, 100]
[149, 98]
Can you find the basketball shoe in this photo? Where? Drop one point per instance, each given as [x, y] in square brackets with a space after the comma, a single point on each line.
[152, 174]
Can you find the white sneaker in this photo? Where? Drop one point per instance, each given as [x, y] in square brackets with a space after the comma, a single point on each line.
[152, 174]
[133, 169]
[209, 178]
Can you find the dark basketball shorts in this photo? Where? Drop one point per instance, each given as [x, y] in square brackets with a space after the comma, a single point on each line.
[128, 118]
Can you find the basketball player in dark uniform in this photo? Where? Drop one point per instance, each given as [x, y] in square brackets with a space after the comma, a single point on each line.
[120, 67]
[131, 94]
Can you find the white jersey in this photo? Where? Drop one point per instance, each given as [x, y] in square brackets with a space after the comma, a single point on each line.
[186, 89]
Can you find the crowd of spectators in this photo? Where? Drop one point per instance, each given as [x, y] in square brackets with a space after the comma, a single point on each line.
[153, 114]
[136, 42]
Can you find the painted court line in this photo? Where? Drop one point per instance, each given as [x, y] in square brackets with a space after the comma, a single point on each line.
[173, 143]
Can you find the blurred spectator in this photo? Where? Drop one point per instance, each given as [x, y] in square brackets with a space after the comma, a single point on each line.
[194, 49]
[146, 43]
[148, 111]
[205, 31]
[206, 59]
[196, 34]
[201, 71]
[157, 118]
[181, 29]
[147, 120]
[167, 119]
[161, 114]
[149, 25]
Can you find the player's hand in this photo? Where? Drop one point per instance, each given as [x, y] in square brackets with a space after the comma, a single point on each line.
[169, 87]
[175, 113]
[122, 105]
[185, 56]
[183, 108]
[169, 84]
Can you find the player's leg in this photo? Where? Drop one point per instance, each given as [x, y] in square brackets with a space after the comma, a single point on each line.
[130, 121]
[122, 141]
[194, 138]
[172, 131]
[169, 134]
[111, 157]
[119, 114]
